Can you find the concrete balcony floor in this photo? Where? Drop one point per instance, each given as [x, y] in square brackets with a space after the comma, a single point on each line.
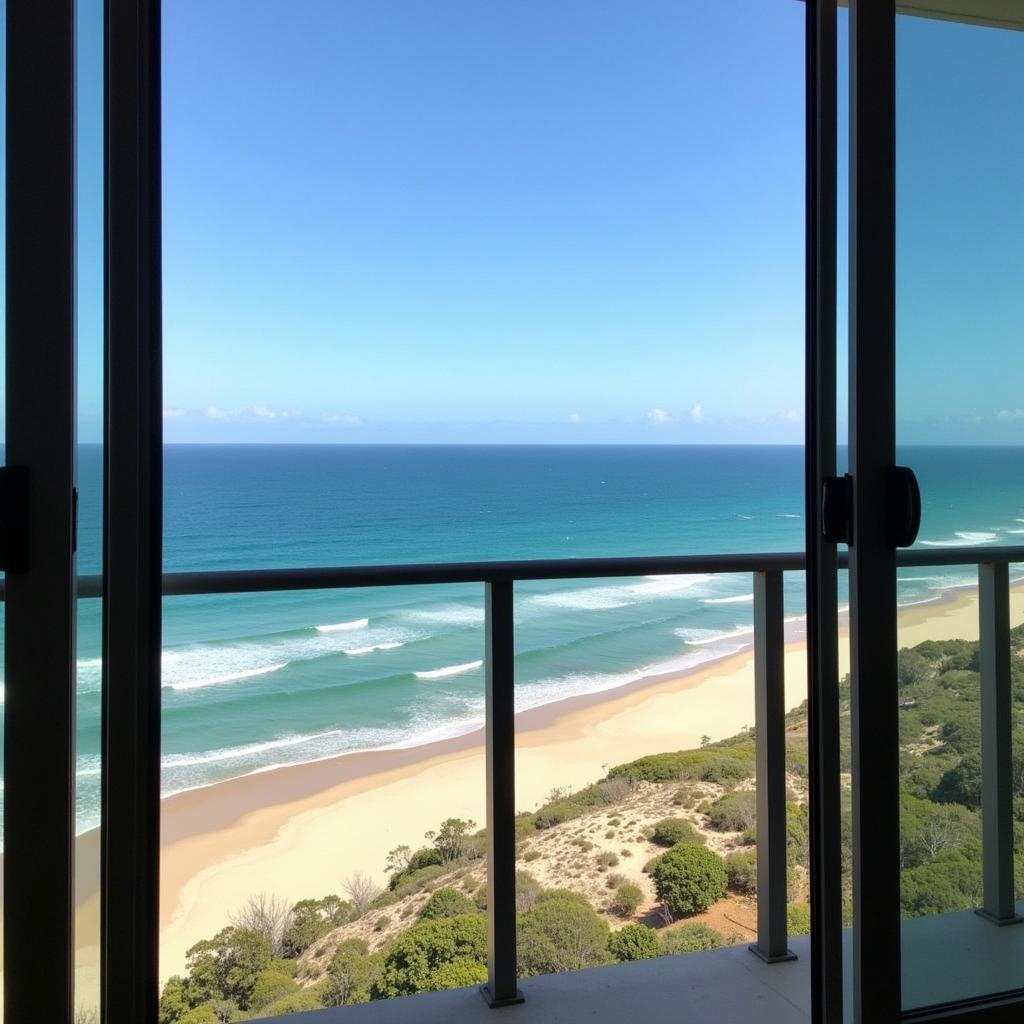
[945, 958]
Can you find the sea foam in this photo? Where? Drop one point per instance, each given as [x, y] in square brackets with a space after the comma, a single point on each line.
[341, 627]
[448, 670]
[737, 599]
[622, 595]
[963, 539]
[231, 677]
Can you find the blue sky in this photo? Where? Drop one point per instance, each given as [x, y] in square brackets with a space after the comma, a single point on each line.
[461, 221]
[392, 220]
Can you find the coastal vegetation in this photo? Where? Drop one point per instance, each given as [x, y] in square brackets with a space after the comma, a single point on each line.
[659, 856]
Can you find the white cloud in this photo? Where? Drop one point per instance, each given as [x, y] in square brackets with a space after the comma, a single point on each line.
[213, 413]
[657, 415]
[1009, 415]
[263, 413]
[346, 418]
[697, 413]
[792, 416]
[173, 414]
[574, 417]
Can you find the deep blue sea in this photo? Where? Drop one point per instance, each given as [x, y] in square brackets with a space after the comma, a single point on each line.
[253, 681]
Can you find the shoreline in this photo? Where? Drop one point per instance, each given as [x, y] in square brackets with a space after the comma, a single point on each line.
[297, 830]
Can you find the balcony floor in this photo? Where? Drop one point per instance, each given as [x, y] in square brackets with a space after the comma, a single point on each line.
[945, 958]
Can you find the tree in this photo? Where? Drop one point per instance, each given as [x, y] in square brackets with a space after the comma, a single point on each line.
[741, 868]
[446, 902]
[398, 859]
[911, 669]
[361, 890]
[227, 966]
[267, 915]
[173, 1001]
[628, 898]
[312, 919]
[351, 974]
[453, 839]
[692, 937]
[634, 942]
[412, 957]
[561, 932]
[688, 879]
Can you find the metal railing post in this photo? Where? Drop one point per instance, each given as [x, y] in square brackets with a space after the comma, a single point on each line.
[770, 731]
[500, 989]
[996, 743]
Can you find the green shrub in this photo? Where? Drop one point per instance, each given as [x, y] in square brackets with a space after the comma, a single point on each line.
[351, 974]
[270, 986]
[670, 831]
[199, 1015]
[692, 937]
[798, 918]
[634, 942]
[614, 880]
[734, 812]
[298, 1002]
[411, 958]
[561, 932]
[428, 857]
[457, 974]
[446, 902]
[741, 869]
[381, 923]
[628, 898]
[417, 881]
[528, 890]
[607, 859]
[689, 879]
[724, 763]
[531, 855]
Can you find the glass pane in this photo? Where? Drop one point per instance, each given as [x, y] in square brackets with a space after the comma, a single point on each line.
[457, 282]
[960, 314]
[89, 23]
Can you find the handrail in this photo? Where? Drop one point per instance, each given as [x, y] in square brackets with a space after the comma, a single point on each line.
[250, 581]
[767, 569]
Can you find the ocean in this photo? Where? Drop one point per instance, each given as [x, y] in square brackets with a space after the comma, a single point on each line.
[254, 681]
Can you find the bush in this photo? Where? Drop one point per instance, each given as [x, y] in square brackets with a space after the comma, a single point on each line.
[634, 942]
[670, 831]
[614, 880]
[428, 857]
[911, 669]
[690, 938]
[350, 975]
[561, 932]
[528, 890]
[628, 898]
[798, 918]
[607, 859]
[457, 974]
[381, 923]
[446, 902]
[689, 879]
[200, 1015]
[741, 869]
[270, 986]
[298, 1002]
[411, 958]
[723, 763]
[734, 812]
[417, 881]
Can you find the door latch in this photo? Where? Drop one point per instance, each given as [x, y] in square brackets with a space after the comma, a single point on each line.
[902, 506]
[837, 509]
[14, 518]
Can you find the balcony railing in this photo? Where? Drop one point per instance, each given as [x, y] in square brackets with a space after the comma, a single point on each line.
[767, 570]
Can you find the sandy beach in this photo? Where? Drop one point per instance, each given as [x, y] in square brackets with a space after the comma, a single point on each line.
[298, 831]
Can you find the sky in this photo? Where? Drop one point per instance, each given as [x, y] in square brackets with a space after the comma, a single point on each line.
[518, 221]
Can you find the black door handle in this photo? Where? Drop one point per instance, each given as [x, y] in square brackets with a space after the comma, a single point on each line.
[902, 506]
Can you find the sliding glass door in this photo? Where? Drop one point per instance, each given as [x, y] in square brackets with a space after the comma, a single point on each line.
[936, 268]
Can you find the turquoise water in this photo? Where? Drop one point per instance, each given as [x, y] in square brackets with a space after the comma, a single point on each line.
[259, 680]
